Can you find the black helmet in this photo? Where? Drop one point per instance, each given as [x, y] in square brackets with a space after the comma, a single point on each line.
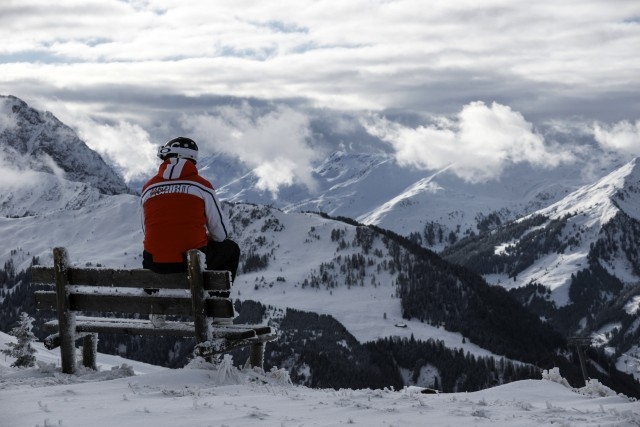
[180, 147]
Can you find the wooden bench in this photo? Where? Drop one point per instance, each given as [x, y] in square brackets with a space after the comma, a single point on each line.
[202, 295]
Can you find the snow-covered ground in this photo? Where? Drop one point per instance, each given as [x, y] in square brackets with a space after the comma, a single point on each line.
[127, 393]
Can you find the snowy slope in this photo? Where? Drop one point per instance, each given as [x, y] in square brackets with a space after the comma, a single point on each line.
[28, 192]
[109, 234]
[584, 251]
[201, 395]
[374, 189]
[587, 210]
[104, 230]
[297, 244]
[458, 206]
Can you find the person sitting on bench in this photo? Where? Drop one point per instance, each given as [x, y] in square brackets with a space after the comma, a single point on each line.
[181, 211]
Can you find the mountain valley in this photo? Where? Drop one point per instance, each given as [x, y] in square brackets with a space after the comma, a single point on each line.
[355, 270]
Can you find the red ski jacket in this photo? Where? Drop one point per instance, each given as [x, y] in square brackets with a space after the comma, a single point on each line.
[179, 206]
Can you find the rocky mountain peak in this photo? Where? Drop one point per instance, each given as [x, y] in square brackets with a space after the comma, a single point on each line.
[602, 200]
[37, 141]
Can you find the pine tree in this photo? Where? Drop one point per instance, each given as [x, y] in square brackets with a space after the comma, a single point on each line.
[22, 350]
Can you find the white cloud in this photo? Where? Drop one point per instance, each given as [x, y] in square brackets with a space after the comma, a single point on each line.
[623, 137]
[477, 145]
[125, 66]
[51, 164]
[126, 145]
[16, 171]
[346, 55]
[22, 171]
[274, 144]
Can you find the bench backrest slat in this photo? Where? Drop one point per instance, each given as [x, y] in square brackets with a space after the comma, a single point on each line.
[214, 307]
[136, 278]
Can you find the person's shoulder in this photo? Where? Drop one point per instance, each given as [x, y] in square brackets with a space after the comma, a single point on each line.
[150, 182]
[202, 181]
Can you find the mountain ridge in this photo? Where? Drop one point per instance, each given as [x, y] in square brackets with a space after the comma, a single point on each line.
[37, 147]
[323, 265]
[576, 262]
[369, 185]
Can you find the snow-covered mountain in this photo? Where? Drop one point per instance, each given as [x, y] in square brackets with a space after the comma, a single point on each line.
[440, 209]
[301, 261]
[575, 262]
[369, 280]
[45, 166]
[356, 174]
[353, 275]
[436, 208]
[373, 189]
[358, 178]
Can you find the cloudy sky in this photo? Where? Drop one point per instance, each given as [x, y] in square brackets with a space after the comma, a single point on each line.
[244, 76]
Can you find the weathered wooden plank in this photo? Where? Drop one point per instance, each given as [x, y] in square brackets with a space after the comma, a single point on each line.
[126, 304]
[171, 328]
[139, 278]
[45, 300]
[216, 280]
[135, 278]
[128, 326]
[66, 317]
[220, 330]
[262, 330]
[217, 346]
[52, 341]
[87, 325]
[197, 297]
[118, 303]
[150, 304]
[41, 274]
[236, 334]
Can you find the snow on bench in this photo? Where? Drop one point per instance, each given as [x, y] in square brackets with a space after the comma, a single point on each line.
[202, 295]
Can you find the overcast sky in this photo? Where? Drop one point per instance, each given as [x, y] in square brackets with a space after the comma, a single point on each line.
[115, 70]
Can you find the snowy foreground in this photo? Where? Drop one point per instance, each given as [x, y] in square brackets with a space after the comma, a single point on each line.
[127, 393]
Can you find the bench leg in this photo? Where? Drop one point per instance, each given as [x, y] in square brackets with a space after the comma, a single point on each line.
[256, 356]
[66, 317]
[68, 352]
[89, 350]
